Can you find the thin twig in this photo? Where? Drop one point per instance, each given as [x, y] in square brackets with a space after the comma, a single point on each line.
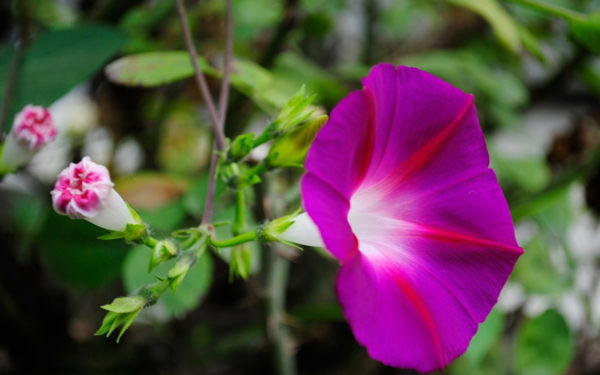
[210, 190]
[223, 100]
[224, 96]
[200, 80]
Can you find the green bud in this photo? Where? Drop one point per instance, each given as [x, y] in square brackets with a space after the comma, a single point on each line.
[240, 147]
[290, 149]
[163, 251]
[124, 310]
[126, 304]
[296, 110]
[240, 262]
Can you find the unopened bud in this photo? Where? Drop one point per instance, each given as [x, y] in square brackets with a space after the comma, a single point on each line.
[290, 149]
[240, 147]
[85, 191]
[32, 129]
[295, 111]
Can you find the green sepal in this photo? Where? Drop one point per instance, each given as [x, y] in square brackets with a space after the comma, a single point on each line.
[134, 232]
[270, 232]
[240, 262]
[163, 251]
[130, 318]
[113, 235]
[107, 323]
[179, 270]
[135, 215]
[126, 304]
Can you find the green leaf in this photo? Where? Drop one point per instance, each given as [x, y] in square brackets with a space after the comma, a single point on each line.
[544, 345]
[70, 249]
[126, 304]
[114, 235]
[189, 295]
[151, 69]
[57, 61]
[535, 270]
[587, 30]
[487, 334]
[502, 23]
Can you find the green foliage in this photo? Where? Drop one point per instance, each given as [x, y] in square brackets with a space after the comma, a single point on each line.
[502, 23]
[488, 334]
[154, 68]
[70, 249]
[193, 288]
[587, 30]
[545, 279]
[57, 61]
[544, 345]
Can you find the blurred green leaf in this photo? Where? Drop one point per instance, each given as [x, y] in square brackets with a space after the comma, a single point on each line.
[544, 345]
[185, 147]
[494, 363]
[69, 248]
[151, 69]
[531, 43]
[488, 333]
[587, 30]
[502, 23]
[530, 174]
[147, 15]
[53, 14]
[194, 287]
[535, 270]
[57, 61]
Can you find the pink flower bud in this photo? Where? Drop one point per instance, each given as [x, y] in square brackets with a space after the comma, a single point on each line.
[85, 191]
[32, 129]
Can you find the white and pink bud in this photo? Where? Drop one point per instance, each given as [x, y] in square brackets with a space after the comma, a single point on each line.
[85, 191]
[32, 129]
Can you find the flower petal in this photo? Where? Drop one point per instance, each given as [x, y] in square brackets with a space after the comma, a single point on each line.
[417, 119]
[421, 310]
[332, 172]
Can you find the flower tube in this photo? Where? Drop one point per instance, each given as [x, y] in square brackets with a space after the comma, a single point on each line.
[85, 191]
[399, 186]
[32, 129]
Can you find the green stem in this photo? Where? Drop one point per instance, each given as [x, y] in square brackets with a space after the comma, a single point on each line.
[237, 240]
[258, 169]
[275, 273]
[239, 225]
[263, 138]
[568, 14]
[150, 241]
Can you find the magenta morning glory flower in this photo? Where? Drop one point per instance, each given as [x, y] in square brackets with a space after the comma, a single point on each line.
[399, 186]
[32, 129]
[85, 191]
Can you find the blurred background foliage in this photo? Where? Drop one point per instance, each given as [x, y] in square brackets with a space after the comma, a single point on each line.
[535, 75]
